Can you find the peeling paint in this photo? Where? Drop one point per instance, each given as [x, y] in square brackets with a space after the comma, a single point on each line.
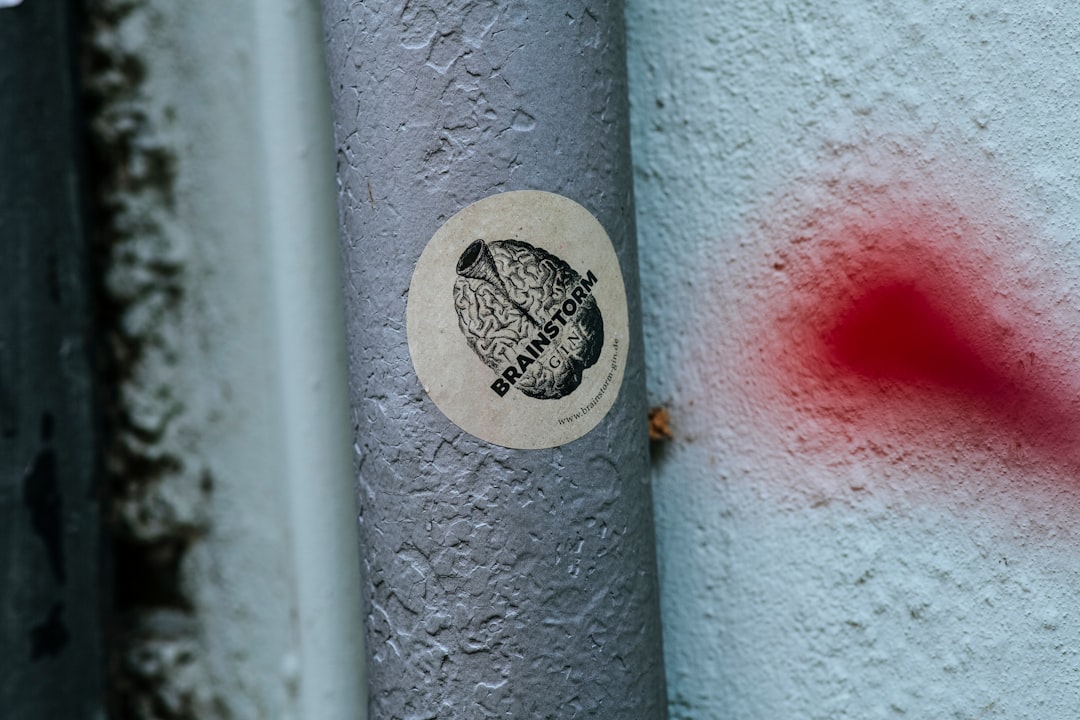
[158, 490]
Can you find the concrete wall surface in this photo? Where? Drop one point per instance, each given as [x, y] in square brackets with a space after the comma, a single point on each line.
[237, 568]
[859, 235]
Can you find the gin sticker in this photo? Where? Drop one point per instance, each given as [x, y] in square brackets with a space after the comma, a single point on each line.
[517, 320]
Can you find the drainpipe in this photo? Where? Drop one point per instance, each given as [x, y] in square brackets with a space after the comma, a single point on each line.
[300, 240]
[497, 380]
[50, 546]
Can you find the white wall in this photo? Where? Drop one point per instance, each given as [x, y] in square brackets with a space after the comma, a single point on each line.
[824, 554]
[888, 551]
[224, 263]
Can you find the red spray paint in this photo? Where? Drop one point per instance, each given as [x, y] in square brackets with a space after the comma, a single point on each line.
[908, 326]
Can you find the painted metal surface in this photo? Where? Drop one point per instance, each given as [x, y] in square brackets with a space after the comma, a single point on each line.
[51, 586]
[499, 582]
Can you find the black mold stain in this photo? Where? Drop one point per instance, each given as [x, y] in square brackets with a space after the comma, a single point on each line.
[41, 495]
[53, 278]
[9, 425]
[51, 636]
[47, 427]
[147, 574]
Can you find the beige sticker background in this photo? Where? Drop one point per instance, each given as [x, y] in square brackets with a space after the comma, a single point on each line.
[544, 264]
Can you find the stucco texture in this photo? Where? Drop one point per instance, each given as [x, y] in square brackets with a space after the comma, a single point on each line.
[236, 570]
[837, 542]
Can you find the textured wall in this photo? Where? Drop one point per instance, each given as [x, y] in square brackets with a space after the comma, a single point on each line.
[237, 574]
[859, 240]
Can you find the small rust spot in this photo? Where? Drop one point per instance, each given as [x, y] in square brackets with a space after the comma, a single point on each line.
[659, 424]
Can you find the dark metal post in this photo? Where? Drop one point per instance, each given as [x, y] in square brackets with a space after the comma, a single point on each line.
[500, 582]
[50, 609]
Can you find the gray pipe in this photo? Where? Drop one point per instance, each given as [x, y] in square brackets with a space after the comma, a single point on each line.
[500, 582]
[51, 656]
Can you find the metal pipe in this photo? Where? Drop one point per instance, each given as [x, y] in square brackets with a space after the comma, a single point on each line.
[299, 239]
[504, 509]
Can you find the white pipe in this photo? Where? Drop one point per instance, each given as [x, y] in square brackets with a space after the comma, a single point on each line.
[301, 237]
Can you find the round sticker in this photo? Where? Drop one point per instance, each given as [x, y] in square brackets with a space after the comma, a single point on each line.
[517, 320]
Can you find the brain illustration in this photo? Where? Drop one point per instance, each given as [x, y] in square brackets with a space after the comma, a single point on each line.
[529, 316]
